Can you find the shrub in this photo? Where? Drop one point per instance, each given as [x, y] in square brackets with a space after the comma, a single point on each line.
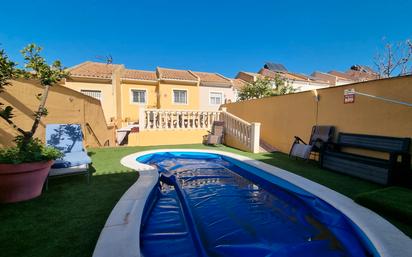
[34, 151]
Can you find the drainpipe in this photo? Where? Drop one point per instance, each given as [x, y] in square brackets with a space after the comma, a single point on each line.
[198, 86]
[317, 98]
[116, 75]
[198, 78]
[158, 96]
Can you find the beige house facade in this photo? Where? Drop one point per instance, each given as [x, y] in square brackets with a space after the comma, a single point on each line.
[124, 92]
[214, 91]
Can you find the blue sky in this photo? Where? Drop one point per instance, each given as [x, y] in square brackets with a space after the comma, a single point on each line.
[216, 36]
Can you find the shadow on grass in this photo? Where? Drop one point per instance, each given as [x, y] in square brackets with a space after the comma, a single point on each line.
[66, 220]
[92, 169]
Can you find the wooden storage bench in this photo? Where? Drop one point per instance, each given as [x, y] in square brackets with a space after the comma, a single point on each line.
[382, 171]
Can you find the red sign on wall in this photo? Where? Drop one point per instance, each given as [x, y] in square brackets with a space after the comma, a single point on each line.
[349, 96]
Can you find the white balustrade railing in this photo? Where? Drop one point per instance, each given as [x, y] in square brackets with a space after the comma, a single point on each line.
[246, 133]
[160, 119]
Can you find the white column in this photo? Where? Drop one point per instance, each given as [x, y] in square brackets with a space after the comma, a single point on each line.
[179, 116]
[142, 118]
[168, 120]
[190, 119]
[155, 120]
[255, 137]
[172, 118]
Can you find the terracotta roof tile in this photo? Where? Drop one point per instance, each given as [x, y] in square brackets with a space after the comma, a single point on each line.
[175, 74]
[291, 76]
[211, 77]
[330, 77]
[340, 74]
[355, 75]
[362, 76]
[247, 76]
[93, 70]
[238, 83]
[251, 73]
[287, 75]
[140, 75]
[268, 73]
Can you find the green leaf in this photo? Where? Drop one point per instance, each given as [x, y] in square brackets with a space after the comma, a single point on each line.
[265, 86]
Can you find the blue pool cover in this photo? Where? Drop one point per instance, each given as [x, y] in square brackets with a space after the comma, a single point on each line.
[210, 205]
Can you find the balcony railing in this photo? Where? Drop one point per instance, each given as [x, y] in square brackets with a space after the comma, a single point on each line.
[247, 134]
[159, 119]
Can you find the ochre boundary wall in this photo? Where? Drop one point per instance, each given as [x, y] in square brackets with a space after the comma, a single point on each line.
[286, 116]
[64, 106]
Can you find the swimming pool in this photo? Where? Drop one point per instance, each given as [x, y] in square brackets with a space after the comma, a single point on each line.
[197, 203]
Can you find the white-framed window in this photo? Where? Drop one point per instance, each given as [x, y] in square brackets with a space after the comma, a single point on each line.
[179, 96]
[96, 94]
[138, 96]
[216, 98]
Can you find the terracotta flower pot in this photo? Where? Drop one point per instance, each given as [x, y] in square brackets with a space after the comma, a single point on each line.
[19, 182]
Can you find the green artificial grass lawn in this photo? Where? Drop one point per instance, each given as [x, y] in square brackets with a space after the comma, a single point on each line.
[66, 220]
[393, 203]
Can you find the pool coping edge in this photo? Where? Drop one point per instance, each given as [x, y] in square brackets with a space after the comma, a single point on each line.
[121, 232]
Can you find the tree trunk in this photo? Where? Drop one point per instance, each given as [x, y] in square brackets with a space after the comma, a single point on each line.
[38, 116]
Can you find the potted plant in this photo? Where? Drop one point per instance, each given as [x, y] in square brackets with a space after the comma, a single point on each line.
[25, 166]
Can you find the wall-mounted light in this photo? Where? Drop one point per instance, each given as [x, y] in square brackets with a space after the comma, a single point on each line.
[316, 95]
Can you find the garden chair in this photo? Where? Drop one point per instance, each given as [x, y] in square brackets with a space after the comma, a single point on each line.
[68, 138]
[319, 136]
[216, 136]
